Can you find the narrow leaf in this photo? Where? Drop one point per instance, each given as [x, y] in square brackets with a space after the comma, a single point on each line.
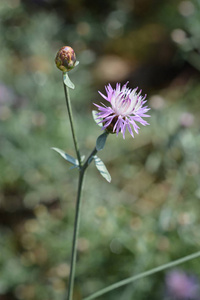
[76, 63]
[102, 168]
[66, 156]
[101, 140]
[73, 167]
[95, 116]
[67, 81]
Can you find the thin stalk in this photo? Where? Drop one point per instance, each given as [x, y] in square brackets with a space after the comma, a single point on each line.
[75, 237]
[77, 225]
[68, 103]
[82, 170]
[142, 275]
[89, 159]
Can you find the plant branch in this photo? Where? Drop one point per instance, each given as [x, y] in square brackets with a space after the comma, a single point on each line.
[68, 103]
[89, 159]
[75, 237]
[77, 225]
[82, 170]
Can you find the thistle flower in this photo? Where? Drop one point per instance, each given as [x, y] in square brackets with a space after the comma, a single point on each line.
[126, 109]
[65, 59]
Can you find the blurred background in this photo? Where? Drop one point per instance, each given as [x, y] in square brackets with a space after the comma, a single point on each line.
[149, 214]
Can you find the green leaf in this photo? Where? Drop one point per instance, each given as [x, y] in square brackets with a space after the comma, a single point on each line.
[67, 81]
[73, 167]
[102, 168]
[76, 63]
[95, 116]
[101, 140]
[66, 156]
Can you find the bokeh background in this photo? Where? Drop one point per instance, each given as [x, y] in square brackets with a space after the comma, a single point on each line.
[149, 214]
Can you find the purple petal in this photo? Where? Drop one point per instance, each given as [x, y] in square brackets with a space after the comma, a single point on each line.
[129, 129]
[119, 125]
[102, 95]
[109, 120]
[123, 130]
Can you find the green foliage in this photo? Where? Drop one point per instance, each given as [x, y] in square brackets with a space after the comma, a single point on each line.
[97, 121]
[67, 81]
[101, 140]
[102, 168]
[149, 215]
[66, 156]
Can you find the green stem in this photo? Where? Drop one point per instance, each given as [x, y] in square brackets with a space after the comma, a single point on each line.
[68, 103]
[77, 225]
[75, 237]
[89, 159]
[142, 275]
[82, 169]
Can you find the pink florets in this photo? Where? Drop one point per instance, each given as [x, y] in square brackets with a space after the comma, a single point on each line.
[126, 109]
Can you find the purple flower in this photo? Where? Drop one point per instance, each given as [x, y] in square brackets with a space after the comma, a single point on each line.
[126, 109]
[182, 286]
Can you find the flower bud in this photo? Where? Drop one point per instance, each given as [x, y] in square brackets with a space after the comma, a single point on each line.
[65, 59]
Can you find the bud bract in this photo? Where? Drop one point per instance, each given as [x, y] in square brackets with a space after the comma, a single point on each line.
[65, 59]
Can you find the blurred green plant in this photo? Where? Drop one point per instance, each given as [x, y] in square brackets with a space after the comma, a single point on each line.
[187, 35]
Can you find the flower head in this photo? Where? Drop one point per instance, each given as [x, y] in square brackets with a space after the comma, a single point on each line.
[126, 109]
[65, 59]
